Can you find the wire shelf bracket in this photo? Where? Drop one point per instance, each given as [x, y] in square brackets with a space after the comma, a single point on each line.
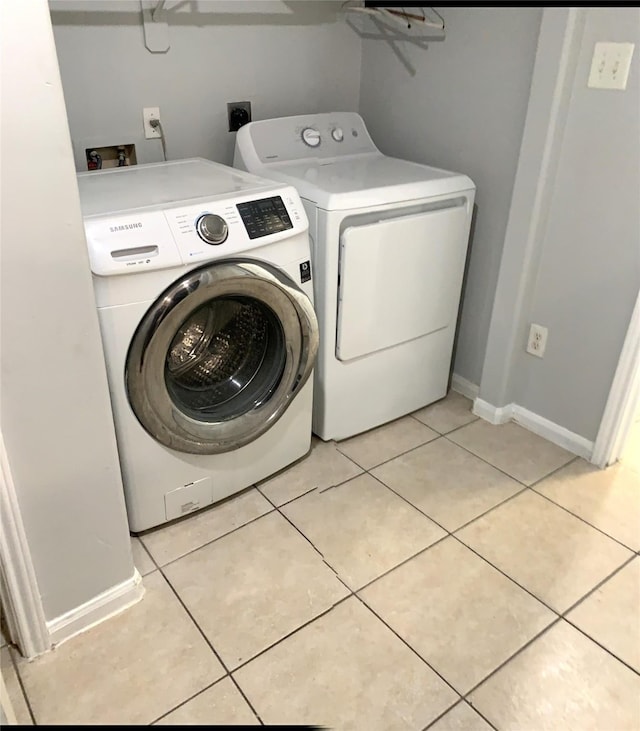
[407, 21]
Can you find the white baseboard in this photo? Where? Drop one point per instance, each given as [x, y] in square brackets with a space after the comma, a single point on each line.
[463, 386]
[492, 414]
[96, 610]
[552, 432]
[535, 423]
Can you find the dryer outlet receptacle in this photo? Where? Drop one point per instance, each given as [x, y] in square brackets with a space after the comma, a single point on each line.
[239, 114]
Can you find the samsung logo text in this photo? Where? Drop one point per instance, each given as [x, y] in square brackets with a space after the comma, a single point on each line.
[125, 227]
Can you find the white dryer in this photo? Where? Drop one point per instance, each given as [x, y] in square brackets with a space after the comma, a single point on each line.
[203, 286]
[389, 240]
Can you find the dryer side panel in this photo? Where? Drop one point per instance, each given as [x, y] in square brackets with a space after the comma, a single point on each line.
[400, 278]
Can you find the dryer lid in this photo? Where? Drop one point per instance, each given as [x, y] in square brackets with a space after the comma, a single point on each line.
[369, 179]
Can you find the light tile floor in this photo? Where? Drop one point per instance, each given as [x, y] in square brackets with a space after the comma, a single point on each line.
[437, 572]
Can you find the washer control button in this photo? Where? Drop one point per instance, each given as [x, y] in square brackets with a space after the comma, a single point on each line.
[337, 134]
[212, 229]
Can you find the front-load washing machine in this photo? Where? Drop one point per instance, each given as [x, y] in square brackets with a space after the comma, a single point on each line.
[203, 286]
[389, 240]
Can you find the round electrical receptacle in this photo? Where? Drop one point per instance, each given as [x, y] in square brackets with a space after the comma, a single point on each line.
[237, 118]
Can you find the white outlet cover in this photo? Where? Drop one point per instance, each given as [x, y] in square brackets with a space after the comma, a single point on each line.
[537, 341]
[610, 65]
[149, 113]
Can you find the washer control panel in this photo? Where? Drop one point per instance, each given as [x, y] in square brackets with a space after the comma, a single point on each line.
[185, 234]
[264, 217]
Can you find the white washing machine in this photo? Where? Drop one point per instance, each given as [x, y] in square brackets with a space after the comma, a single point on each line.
[389, 240]
[203, 286]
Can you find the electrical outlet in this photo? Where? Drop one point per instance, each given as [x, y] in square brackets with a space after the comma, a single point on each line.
[537, 342]
[149, 113]
[239, 114]
[610, 66]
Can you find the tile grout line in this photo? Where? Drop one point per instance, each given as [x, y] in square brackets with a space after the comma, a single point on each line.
[463, 701]
[482, 716]
[16, 670]
[598, 585]
[450, 431]
[557, 620]
[318, 489]
[213, 540]
[401, 454]
[312, 544]
[511, 497]
[517, 479]
[497, 669]
[293, 632]
[499, 570]
[587, 596]
[404, 561]
[146, 550]
[206, 639]
[601, 646]
[312, 489]
[433, 520]
[402, 497]
[406, 644]
[584, 520]
[295, 527]
[493, 507]
[444, 713]
[317, 550]
[559, 617]
[185, 519]
[190, 698]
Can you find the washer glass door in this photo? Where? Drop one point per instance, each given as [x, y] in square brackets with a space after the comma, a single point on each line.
[218, 358]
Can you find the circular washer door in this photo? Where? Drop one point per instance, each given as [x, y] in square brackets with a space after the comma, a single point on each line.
[220, 355]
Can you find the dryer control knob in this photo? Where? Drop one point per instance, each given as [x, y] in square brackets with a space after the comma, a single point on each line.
[212, 229]
[311, 137]
[337, 134]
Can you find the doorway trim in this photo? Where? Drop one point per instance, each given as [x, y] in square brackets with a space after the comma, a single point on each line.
[623, 399]
[19, 591]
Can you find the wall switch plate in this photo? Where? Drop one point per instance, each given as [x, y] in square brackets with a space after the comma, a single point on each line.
[149, 113]
[610, 65]
[537, 342]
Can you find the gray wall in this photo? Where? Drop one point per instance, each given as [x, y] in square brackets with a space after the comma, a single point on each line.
[589, 267]
[464, 110]
[284, 57]
[572, 249]
[55, 413]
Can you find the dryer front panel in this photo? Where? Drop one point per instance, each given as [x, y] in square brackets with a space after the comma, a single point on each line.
[218, 358]
[399, 278]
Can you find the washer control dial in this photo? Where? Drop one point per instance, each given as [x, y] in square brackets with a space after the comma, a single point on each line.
[212, 229]
[337, 134]
[311, 137]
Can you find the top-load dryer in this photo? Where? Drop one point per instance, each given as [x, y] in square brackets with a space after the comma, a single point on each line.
[389, 240]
